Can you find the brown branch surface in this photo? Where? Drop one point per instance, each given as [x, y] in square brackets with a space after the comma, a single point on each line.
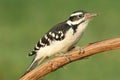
[57, 62]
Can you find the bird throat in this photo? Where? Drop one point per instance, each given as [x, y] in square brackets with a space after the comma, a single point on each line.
[74, 27]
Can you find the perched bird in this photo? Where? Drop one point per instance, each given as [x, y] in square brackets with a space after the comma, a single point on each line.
[61, 38]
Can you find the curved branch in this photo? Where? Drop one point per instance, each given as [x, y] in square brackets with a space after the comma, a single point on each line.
[57, 62]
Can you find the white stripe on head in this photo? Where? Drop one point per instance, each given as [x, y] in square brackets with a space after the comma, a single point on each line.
[75, 14]
[69, 22]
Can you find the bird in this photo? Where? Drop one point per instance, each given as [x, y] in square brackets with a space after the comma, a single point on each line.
[61, 38]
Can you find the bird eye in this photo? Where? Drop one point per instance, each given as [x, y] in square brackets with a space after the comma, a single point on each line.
[77, 17]
[81, 15]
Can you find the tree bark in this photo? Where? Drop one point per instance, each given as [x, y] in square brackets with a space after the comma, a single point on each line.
[57, 62]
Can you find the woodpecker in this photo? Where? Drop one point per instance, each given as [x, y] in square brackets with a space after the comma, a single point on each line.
[61, 37]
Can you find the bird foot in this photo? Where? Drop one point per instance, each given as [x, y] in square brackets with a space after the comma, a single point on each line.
[80, 50]
[63, 55]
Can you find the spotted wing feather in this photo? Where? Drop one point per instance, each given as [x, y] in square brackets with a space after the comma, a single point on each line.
[57, 33]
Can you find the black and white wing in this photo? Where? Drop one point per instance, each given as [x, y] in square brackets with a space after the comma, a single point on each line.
[57, 33]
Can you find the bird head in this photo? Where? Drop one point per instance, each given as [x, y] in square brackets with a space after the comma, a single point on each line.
[78, 17]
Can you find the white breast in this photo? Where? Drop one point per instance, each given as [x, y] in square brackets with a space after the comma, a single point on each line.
[70, 39]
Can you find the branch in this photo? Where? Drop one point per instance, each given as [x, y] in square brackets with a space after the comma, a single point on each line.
[57, 62]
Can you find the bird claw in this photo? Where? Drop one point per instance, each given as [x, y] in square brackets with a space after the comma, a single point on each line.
[80, 50]
[63, 55]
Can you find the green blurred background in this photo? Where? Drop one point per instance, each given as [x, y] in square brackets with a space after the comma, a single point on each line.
[23, 22]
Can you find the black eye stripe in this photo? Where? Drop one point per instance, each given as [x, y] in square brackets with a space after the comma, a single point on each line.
[81, 15]
[73, 18]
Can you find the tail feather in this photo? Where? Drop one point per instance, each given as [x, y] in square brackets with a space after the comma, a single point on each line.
[34, 63]
[32, 66]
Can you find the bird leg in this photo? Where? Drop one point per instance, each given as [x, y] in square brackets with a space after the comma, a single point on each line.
[80, 50]
[60, 54]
